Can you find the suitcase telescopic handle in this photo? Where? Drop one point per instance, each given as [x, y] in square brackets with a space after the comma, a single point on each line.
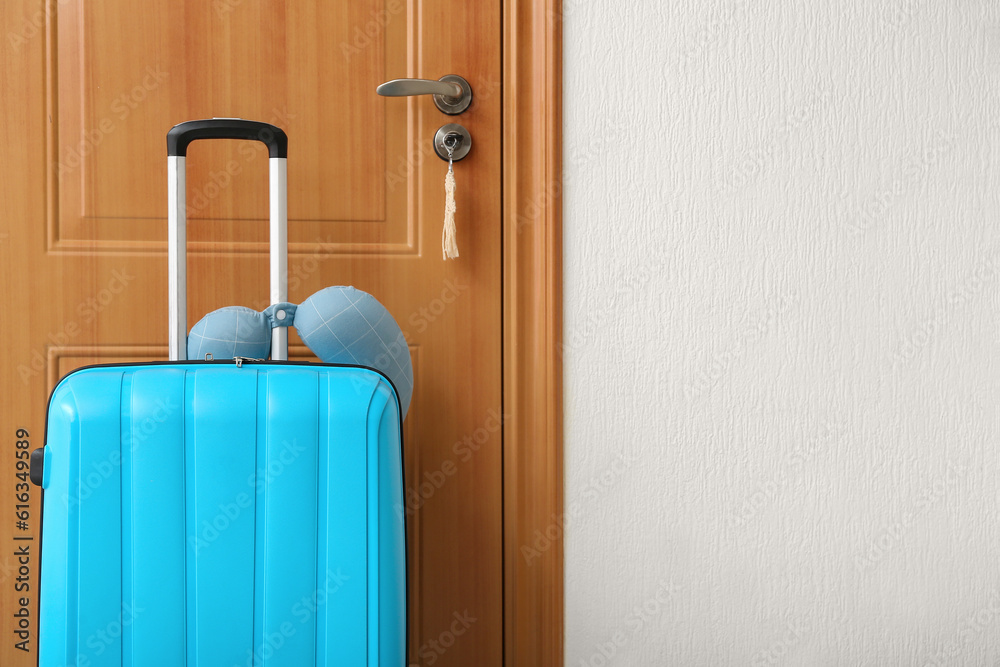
[181, 135]
[178, 139]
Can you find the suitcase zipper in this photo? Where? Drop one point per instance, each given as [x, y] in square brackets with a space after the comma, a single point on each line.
[239, 360]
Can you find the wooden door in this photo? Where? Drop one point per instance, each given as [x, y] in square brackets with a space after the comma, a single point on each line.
[91, 88]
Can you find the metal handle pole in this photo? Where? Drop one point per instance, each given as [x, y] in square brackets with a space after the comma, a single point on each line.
[279, 250]
[177, 255]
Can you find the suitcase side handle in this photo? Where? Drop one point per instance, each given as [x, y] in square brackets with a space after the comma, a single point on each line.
[178, 139]
[181, 135]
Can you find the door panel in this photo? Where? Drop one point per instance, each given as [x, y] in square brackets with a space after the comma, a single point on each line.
[91, 89]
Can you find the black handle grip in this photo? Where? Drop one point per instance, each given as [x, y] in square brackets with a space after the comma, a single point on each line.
[182, 134]
[36, 466]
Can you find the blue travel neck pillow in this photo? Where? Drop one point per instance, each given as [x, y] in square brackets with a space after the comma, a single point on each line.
[341, 325]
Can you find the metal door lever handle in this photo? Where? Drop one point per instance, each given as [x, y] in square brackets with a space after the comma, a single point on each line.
[452, 94]
[405, 87]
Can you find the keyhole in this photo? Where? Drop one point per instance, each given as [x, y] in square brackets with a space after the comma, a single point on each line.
[452, 142]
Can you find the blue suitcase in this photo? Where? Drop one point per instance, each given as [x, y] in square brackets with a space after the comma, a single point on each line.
[223, 513]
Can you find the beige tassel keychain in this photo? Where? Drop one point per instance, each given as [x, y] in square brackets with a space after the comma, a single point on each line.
[449, 247]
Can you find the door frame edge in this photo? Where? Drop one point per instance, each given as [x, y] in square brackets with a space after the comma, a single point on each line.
[533, 519]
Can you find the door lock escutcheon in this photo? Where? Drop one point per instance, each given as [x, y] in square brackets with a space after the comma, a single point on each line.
[452, 94]
[452, 137]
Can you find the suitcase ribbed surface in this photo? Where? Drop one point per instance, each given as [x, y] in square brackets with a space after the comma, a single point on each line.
[205, 514]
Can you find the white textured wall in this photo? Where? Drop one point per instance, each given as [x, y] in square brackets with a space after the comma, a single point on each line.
[782, 238]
